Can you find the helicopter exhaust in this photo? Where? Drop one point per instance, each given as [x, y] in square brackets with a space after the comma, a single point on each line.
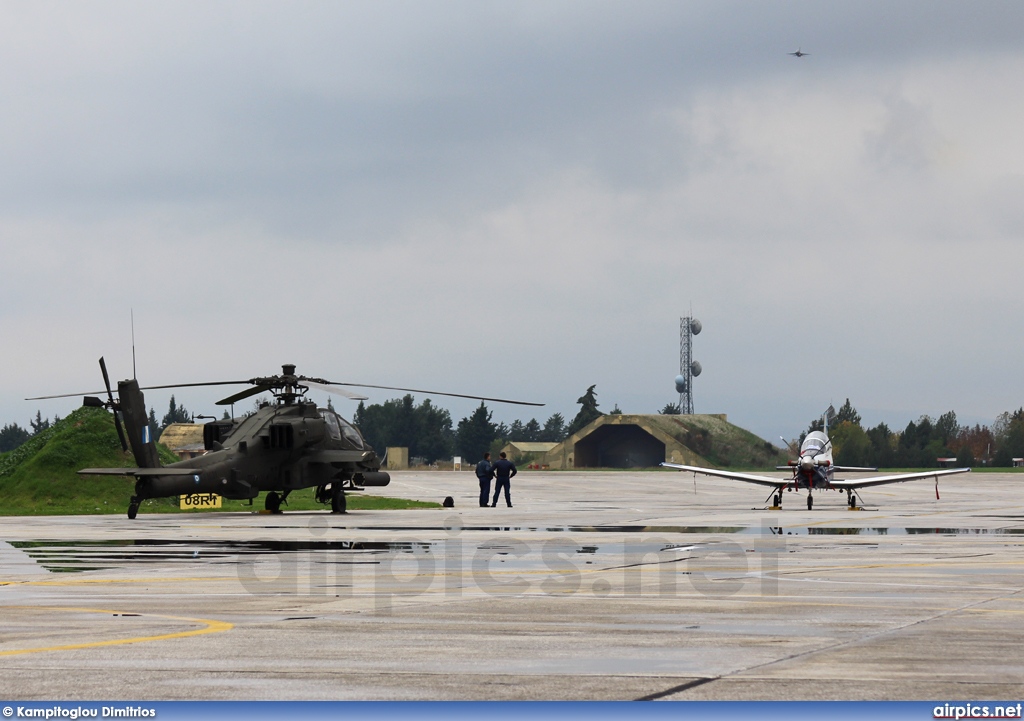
[372, 478]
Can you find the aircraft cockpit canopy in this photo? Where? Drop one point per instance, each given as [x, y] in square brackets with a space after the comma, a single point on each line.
[338, 428]
[813, 444]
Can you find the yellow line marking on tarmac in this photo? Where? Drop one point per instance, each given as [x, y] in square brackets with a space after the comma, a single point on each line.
[84, 581]
[211, 626]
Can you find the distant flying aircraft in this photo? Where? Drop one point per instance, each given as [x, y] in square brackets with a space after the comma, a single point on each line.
[814, 470]
[799, 53]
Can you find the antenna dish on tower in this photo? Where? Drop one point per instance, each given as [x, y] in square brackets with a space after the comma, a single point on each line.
[688, 367]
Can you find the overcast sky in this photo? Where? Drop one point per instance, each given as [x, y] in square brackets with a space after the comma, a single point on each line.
[519, 199]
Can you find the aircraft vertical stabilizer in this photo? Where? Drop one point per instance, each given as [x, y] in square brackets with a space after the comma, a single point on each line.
[132, 405]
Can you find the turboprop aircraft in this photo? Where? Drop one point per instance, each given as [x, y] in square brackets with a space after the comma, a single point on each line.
[814, 470]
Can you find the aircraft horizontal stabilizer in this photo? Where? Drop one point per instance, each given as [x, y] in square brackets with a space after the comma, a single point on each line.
[898, 478]
[746, 477]
[138, 472]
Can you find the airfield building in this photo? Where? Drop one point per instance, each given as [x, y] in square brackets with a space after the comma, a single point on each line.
[643, 441]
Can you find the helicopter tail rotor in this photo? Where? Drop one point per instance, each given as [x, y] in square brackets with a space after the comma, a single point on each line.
[112, 404]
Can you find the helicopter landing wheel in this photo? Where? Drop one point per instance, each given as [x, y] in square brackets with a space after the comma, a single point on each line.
[272, 502]
[338, 502]
[133, 509]
[810, 501]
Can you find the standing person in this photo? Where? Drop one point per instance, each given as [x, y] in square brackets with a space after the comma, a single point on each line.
[485, 472]
[504, 469]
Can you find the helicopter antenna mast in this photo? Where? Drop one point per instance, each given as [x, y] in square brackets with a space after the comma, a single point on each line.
[134, 374]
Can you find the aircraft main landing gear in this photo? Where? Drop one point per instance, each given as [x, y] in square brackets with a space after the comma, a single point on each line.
[852, 500]
[338, 502]
[133, 508]
[272, 502]
[778, 499]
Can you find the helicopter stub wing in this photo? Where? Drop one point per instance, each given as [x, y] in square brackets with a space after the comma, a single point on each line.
[138, 472]
[338, 456]
[745, 477]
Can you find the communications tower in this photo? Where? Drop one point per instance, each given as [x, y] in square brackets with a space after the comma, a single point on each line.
[688, 367]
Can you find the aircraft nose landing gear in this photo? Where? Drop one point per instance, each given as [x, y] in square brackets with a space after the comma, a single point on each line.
[810, 501]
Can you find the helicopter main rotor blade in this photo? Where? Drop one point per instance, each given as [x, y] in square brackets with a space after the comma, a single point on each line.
[339, 391]
[67, 395]
[197, 385]
[437, 393]
[145, 388]
[255, 390]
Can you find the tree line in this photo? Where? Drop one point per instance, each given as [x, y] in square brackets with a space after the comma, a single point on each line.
[921, 443]
[12, 435]
[430, 434]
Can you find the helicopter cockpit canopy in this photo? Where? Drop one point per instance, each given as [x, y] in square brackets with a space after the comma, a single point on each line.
[338, 428]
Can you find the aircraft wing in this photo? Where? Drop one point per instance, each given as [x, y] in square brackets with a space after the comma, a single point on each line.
[745, 477]
[853, 469]
[138, 472]
[899, 478]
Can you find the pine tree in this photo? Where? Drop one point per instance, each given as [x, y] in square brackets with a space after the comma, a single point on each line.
[475, 434]
[40, 424]
[588, 411]
[175, 414]
[554, 429]
[847, 414]
[154, 427]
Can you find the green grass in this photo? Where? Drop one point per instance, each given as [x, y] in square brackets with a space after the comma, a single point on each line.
[40, 477]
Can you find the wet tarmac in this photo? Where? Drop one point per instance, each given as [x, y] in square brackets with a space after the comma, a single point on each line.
[594, 586]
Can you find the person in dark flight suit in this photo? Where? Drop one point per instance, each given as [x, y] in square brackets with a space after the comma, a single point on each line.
[484, 472]
[504, 469]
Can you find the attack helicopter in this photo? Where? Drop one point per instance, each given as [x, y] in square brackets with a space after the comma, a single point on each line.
[284, 446]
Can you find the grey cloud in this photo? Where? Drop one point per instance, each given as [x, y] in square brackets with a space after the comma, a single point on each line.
[599, 165]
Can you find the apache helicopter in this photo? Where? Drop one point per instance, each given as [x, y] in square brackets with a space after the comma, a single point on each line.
[282, 447]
